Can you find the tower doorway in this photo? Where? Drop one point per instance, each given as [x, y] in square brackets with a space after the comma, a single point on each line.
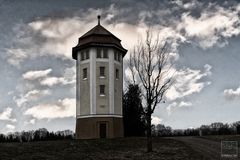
[103, 130]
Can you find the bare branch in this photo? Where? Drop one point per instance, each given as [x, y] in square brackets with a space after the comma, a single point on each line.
[152, 63]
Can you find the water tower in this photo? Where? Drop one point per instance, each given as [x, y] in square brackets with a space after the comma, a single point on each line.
[99, 56]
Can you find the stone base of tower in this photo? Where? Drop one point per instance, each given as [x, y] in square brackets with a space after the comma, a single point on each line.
[99, 127]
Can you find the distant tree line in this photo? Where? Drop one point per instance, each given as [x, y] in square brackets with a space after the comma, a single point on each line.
[41, 134]
[216, 128]
[135, 120]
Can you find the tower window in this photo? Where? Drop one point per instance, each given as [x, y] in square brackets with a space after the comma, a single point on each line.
[119, 56]
[102, 71]
[87, 54]
[117, 74]
[82, 56]
[99, 53]
[102, 89]
[85, 73]
[105, 53]
[102, 53]
[115, 55]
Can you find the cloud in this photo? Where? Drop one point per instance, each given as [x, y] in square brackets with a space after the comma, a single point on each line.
[50, 81]
[188, 81]
[35, 81]
[156, 120]
[7, 114]
[170, 107]
[60, 34]
[32, 75]
[69, 77]
[10, 128]
[31, 121]
[10, 92]
[176, 105]
[30, 96]
[187, 5]
[49, 36]
[62, 109]
[20, 101]
[16, 56]
[56, 36]
[185, 104]
[36, 93]
[195, 22]
[232, 94]
[238, 7]
[213, 25]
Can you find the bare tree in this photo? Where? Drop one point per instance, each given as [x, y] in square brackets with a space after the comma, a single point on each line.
[150, 65]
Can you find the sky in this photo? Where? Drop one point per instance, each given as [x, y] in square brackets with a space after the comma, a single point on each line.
[38, 77]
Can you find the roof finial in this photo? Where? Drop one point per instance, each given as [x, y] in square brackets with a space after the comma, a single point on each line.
[99, 17]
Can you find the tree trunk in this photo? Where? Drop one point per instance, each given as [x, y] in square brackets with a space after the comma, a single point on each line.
[149, 133]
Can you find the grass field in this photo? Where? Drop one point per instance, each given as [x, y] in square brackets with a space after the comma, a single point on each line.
[123, 148]
[219, 138]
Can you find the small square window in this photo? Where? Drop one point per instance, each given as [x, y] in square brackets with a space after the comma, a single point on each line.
[85, 73]
[87, 54]
[102, 71]
[117, 74]
[102, 89]
[99, 53]
[82, 56]
[105, 53]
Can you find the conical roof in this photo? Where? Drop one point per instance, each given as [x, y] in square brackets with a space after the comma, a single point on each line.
[98, 30]
[98, 36]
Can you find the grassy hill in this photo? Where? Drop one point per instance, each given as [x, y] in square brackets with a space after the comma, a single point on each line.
[103, 149]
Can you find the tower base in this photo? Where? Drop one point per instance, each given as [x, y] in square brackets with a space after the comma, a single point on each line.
[99, 127]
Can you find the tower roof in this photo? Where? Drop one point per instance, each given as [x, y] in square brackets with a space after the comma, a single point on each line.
[98, 30]
[98, 36]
